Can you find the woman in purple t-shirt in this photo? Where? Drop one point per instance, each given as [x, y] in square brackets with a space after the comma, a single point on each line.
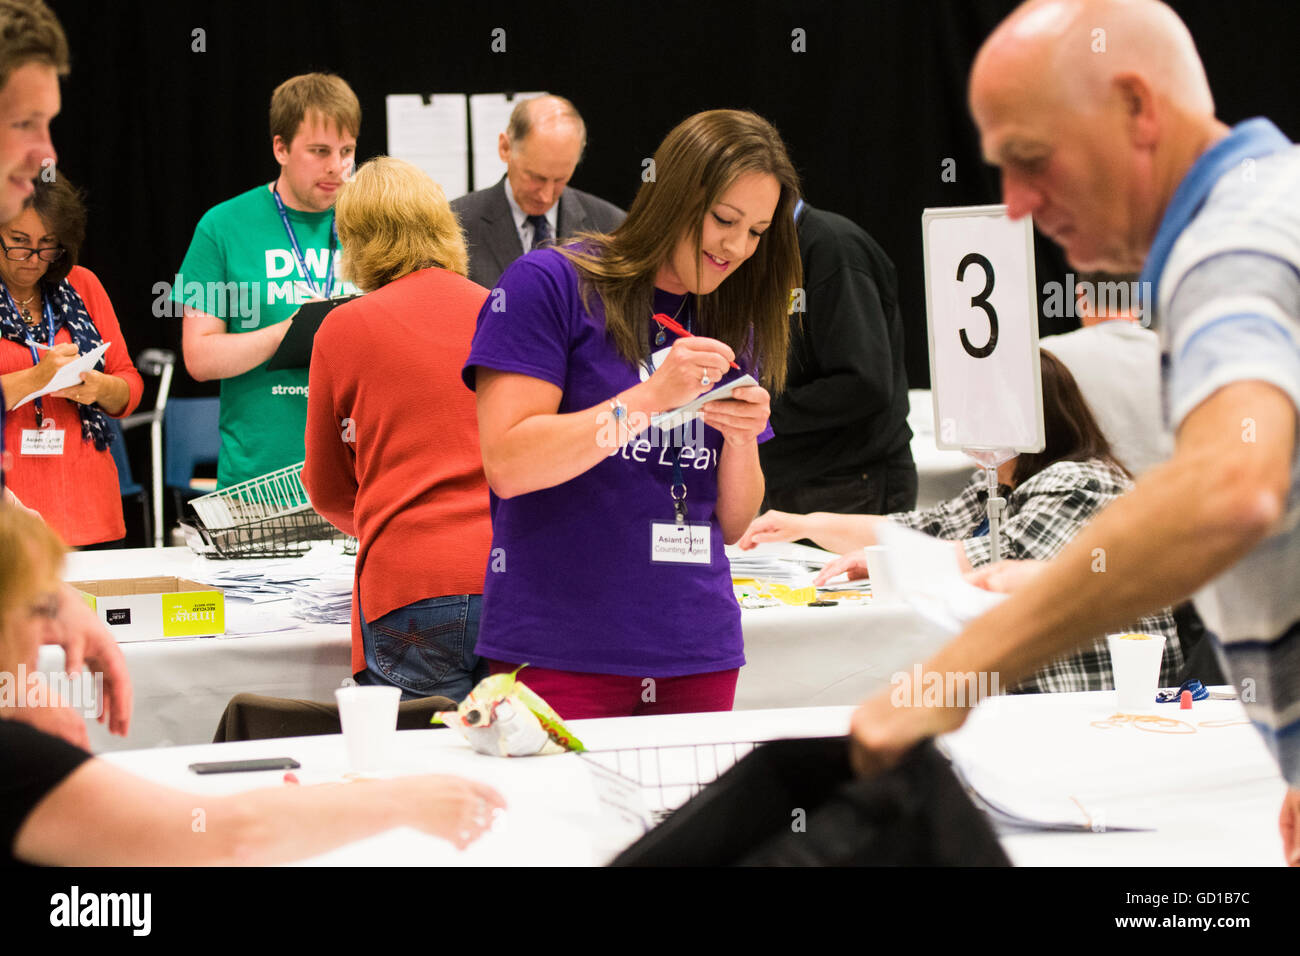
[607, 572]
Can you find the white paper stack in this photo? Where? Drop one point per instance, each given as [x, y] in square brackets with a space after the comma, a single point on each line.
[69, 375]
[326, 600]
[316, 587]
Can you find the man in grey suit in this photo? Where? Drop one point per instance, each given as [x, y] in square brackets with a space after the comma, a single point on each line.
[530, 206]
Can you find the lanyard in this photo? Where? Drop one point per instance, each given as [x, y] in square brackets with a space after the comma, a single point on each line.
[36, 356]
[678, 491]
[297, 250]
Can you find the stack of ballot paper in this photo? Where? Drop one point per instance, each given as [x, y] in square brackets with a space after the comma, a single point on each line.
[327, 600]
[779, 563]
[776, 570]
[316, 587]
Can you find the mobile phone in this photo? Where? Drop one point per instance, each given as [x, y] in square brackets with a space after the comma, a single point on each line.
[242, 766]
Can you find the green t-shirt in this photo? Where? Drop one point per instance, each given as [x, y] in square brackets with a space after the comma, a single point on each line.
[241, 268]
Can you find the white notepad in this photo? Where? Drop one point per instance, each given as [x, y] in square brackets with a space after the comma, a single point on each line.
[666, 421]
[70, 374]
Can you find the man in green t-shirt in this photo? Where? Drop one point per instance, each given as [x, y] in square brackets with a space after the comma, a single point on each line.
[254, 260]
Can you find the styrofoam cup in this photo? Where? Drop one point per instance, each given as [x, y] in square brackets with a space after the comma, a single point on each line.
[1135, 662]
[882, 585]
[369, 718]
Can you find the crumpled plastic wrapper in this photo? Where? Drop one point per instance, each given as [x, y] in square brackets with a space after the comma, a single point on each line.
[502, 717]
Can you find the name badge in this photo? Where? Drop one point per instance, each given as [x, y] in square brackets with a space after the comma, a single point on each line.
[689, 545]
[42, 441]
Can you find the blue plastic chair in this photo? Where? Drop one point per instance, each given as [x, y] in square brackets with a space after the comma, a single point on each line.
[126, 483]
[191, 437]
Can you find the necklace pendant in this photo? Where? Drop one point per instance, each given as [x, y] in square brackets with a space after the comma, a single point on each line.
[659, 337]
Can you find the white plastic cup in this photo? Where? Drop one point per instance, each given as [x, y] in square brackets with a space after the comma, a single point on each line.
[369, 718]
[1135, 662]
[882, 585]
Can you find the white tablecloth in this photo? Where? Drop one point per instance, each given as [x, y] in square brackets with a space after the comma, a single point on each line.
[1212, 796]
[797, 656]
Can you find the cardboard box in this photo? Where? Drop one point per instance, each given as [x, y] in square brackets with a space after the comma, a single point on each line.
[149, 609]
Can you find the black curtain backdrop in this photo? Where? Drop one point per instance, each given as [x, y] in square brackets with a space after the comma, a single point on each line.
[157, 133]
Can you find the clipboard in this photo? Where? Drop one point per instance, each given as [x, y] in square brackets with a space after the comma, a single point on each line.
[295, 348]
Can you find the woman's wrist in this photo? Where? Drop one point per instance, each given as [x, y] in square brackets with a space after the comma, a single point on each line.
[119, 394]
[18, 385]
[643, 398]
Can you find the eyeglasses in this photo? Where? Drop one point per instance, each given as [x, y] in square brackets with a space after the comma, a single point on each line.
[23, 253]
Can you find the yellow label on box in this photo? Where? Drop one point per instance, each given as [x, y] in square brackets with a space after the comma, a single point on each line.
[193, 614]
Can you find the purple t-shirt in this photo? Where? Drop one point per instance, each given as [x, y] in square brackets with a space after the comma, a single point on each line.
[570, 582]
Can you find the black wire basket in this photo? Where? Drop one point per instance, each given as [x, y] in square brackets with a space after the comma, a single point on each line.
[265, 517]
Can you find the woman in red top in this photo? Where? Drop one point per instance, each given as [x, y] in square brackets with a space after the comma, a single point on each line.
[392, 439]
[57, 446]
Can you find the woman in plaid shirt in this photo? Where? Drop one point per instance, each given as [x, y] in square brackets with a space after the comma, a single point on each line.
[1050, 496]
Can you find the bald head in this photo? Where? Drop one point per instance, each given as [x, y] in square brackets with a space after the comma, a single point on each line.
[541, 148]
[550, 114]
[1078, 48]
[1094, 110]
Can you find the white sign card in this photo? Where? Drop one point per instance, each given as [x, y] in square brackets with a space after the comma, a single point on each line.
[985, 375]
[433, 136]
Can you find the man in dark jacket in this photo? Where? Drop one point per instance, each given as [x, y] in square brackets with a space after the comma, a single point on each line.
[530, 206]
[842, 439]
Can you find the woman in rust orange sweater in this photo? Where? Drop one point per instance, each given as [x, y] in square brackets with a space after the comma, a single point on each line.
[51, 310]
[392, 440]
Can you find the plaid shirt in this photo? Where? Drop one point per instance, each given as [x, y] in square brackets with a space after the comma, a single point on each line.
[1042, 516]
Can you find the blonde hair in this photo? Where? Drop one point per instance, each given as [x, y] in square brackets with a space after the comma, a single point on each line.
[322, 93]
[30, 557]
[695, 164]
[394, 220]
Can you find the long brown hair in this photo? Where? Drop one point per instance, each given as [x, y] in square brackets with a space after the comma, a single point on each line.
[1071, 431]
[695, 164]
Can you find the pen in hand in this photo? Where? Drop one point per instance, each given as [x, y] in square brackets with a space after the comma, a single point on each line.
[672, 326]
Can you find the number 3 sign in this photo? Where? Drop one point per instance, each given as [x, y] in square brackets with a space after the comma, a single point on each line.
[983, 322]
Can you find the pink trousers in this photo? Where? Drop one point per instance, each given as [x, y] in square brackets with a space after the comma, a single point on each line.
[576, 696]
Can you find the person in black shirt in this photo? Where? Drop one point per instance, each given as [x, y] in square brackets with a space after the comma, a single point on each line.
[842, 439]
[59, 805]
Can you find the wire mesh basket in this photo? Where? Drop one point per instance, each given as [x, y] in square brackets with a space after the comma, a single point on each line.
[265, 517]
[669, 776]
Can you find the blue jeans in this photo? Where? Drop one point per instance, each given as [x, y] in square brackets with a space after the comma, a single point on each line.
[426, 648]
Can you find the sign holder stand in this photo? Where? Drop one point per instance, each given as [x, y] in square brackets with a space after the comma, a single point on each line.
[989, 459]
